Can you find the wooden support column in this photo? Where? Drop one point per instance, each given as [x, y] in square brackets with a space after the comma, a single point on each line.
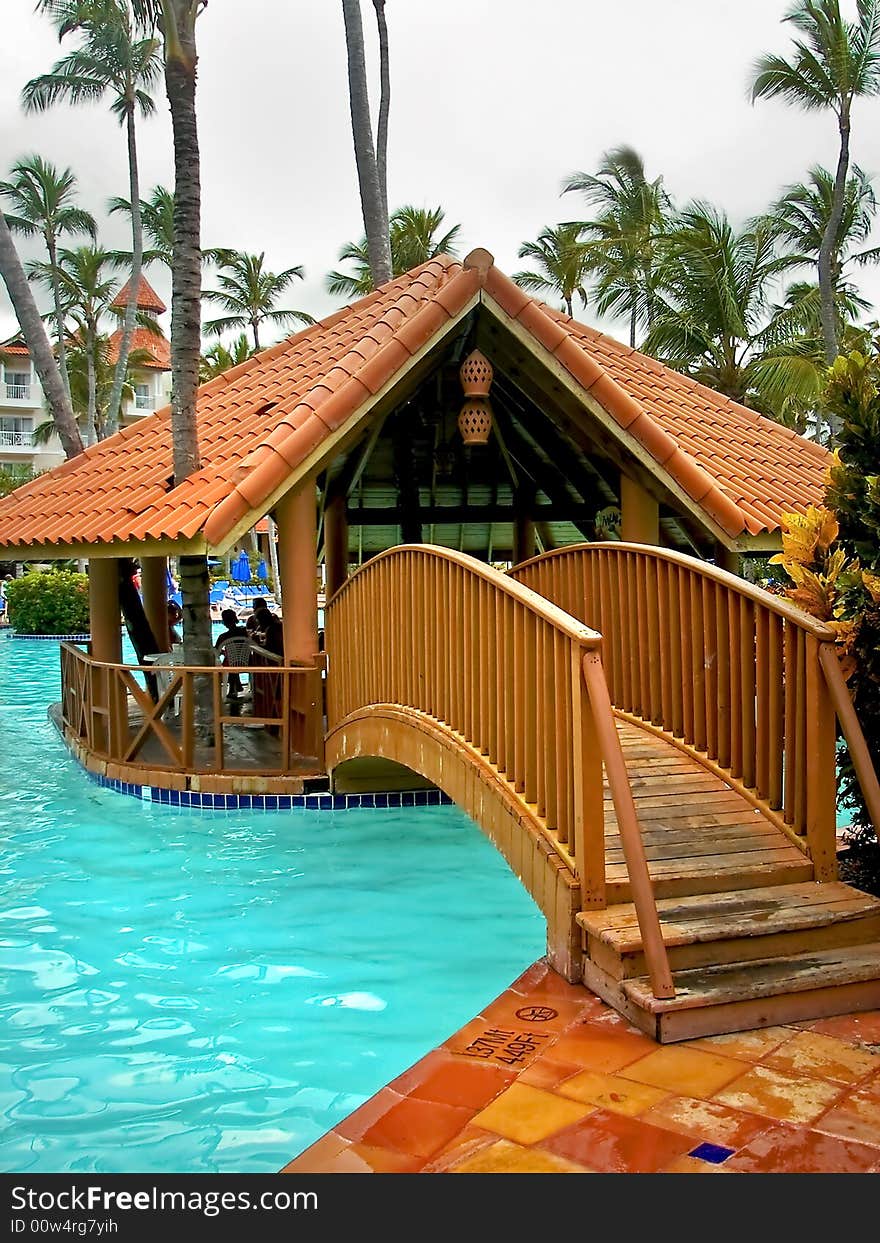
[104, 616]
[524, 545]
[336, 542]
[105, 625]
[154, 587]
[639, 514]
[728, 558]
[296, 517]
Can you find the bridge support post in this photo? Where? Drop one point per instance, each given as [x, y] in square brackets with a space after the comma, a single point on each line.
[105, 624]
[154, 585]
[296, 516]
[639, 514]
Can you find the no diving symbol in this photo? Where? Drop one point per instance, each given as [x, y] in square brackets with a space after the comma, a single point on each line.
[536, 1014]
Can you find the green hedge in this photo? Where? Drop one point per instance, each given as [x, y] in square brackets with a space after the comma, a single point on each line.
[51, 602]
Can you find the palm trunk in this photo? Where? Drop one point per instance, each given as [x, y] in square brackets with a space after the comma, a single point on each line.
[256, 328]
[38, 343]
[59, 314]
[384, 103]
[93, 432]
[633, 315]
[828, 249]
[569, 310]
[137, 258]
[372, 205]
[180, 85]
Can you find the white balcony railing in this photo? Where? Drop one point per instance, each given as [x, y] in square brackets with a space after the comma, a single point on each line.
[18, 392]
[144, 401]
[16, 440]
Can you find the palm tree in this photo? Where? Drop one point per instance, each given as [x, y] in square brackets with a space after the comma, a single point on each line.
[563, 263]
[176, 19]
[631, 216]
[413, 241]
[799, 219]
[713, 317]
[39, 347]
[87, 289]
[220, 358]
[157, 220]
[834, 63]
[42, 197]
[374, 195]
[384, 102]
[248, 293]
[110, 59]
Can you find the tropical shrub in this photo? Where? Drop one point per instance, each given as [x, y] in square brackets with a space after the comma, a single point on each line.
[831, 556]
[53, 602]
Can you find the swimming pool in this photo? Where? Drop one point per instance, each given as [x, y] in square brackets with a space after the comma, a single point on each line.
[201, 991]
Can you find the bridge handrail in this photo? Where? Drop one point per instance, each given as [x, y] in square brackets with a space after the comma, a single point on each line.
[435, 631]
[737, 676]
[750, 591]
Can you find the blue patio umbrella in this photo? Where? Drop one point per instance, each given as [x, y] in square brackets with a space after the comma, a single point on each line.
[262, 574]
[240, 569]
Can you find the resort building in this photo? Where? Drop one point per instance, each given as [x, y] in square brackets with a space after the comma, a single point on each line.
[23, 405]
[647, 738]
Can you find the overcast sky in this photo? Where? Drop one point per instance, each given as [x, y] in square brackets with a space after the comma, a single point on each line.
[494, 102]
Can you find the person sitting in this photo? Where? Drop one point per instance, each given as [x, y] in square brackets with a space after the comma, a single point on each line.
[175, 617]
[257, 604]
[234, 630]
[269, 631]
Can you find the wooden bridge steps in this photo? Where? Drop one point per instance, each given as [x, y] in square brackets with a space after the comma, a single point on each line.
[752, 939]
[734, 996]
[735, 926]
[700, 836]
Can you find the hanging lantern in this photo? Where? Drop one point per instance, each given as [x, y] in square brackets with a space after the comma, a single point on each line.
[476, 375]
[475, 419]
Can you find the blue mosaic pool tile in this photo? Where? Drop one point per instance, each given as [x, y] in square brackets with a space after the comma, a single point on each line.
[408, 798]
[325, 802]
[174, 798]
[380, 800]
[258, 802]
[715, 1154]
[340, 801]
[361, 800]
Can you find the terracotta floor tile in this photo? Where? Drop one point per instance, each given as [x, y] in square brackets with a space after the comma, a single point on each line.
[798, 1150]
[856, 1117]
[356, 1124]
[749, 1046]
[684, 1070]
[468, 1141]
[383, 1161]
[420, 1071]
[467, 1084]
[706, 1121]
[595, 1047]
[510, 1046]
[611, 1143]
[315, 1158]
[417, 1128]
[541, 1014]
[870, 1087]
[528, 1115]
[855, 1028]
[611, 1092]
[823, 1057]
[546, 1073]
[775, 1095]
[503, 1157]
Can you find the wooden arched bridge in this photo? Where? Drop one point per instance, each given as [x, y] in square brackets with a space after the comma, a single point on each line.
[649, 741]
[694, 884]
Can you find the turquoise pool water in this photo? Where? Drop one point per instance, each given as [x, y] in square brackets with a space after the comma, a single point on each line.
[198, 991]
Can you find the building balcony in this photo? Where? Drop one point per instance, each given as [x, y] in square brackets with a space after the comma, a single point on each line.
[16, 440]
[144, 402]
[19, 394]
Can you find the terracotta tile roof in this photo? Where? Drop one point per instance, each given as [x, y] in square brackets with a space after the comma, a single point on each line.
[148, 299]
[742, 469]
[142, 339]
[15, 345]
[259, 421]
[256, 421]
